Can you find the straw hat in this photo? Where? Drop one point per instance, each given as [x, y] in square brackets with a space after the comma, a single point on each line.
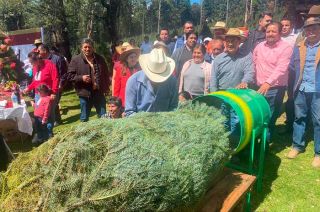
[126, 49]
[314, 10]
[122, 47]
[219, 25]
[235, 32]
[37, 41]
[311, 21]
[156, 65]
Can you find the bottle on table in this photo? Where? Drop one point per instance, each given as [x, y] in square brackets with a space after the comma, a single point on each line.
[15, 97]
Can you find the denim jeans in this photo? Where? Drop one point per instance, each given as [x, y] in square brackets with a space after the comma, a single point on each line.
[275, 98]
[304, 103]
[57, 116]
[231, 124]
[86, 103]
[51, 118]
[289, 106]
[41, 129]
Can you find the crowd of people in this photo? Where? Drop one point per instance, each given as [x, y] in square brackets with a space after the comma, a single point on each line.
[272, 59]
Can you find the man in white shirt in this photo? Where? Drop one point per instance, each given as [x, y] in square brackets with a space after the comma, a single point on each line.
[287, 33]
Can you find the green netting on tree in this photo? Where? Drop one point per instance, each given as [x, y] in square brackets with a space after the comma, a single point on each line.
[149, 162]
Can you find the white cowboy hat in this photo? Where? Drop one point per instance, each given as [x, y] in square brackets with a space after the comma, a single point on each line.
[156, 65]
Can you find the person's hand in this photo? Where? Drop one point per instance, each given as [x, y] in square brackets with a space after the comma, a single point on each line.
[44, 122]
[264, 88]
[52, 96]
[242, 85]
[86, 78]
[32, 103]
[25, 91]
[60, 89]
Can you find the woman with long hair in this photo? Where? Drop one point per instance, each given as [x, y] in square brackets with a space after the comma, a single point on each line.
[123, 69]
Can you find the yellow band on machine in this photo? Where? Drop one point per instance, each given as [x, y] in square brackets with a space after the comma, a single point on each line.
[247, 116]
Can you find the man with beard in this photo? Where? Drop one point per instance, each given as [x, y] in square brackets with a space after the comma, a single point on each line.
[184, 54]
[258, 35]
[305, 64]
[271, 59]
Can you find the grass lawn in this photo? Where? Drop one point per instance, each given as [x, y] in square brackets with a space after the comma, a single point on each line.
[289, 185]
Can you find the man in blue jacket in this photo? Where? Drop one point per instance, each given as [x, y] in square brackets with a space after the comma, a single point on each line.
[187, 28]
[153, 89]
[305, 64]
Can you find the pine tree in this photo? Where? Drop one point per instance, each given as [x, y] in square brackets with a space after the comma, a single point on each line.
[149, 162]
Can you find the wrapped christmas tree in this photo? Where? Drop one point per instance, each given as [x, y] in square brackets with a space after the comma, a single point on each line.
[149, 162]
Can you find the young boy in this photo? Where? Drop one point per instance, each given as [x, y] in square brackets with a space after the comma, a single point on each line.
[115, 109]
[41, 114]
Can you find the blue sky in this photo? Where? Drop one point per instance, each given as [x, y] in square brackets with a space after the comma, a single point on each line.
[195, 1]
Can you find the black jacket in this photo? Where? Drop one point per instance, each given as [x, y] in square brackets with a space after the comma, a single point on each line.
[79, 67]
[255, 37]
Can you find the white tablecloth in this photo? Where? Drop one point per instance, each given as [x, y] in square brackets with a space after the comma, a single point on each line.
[21, 115]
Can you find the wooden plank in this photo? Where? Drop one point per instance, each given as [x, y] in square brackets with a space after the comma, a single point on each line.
[227, 193]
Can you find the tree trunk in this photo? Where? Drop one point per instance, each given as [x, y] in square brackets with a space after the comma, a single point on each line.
[290, 7]
[246, 13]
[61, 40]
[112, 17]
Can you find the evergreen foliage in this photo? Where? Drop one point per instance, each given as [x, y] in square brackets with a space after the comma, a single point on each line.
[10, 65]
[149, 162]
